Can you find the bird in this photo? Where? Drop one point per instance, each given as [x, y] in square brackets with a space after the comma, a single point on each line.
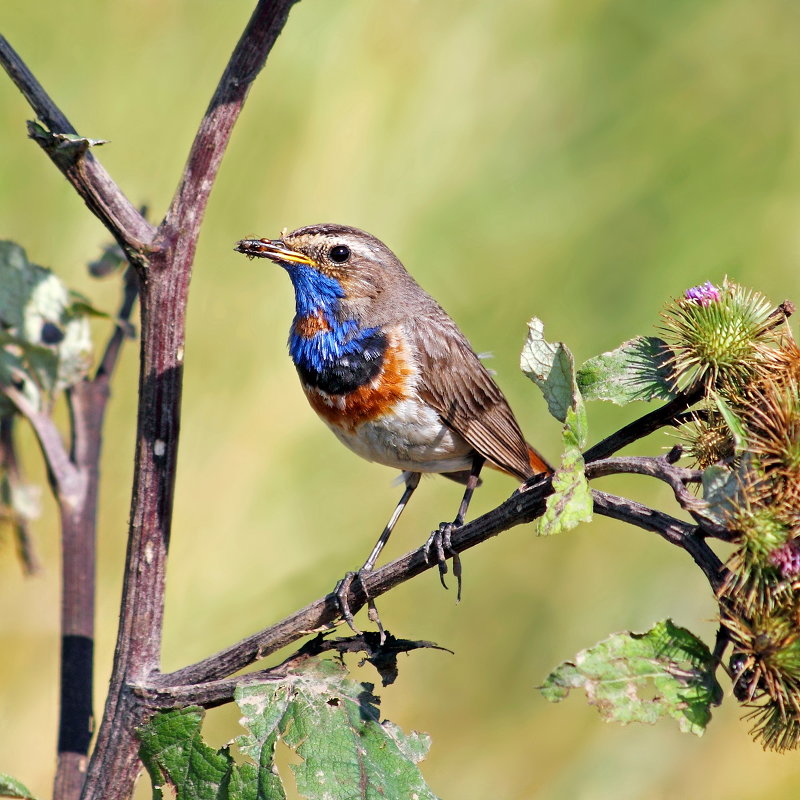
[392, 375]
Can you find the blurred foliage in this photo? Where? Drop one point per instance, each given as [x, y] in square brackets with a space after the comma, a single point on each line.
[579, 161]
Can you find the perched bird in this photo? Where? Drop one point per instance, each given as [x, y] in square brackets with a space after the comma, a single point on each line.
[390, 373]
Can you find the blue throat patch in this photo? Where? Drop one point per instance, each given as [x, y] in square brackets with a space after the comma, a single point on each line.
[338, 360]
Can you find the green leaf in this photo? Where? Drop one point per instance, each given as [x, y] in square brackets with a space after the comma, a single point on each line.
[571, 500]
[44, 332]
[637, 370]
[174, 753]
[329, 720]
[643, 677]
[11, 787]
[332, 723]
[552, 368]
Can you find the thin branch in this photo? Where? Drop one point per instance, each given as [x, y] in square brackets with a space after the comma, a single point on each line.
[655, 467]
[661, 468]
[66, 480]
[673, 530]
[644, 426]
[122, 330]
[520, 508]
[83, 171]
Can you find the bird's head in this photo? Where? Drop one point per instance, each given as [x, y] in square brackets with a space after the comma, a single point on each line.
[328, 263]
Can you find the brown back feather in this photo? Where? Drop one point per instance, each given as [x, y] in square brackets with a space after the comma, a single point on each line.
[456, 384]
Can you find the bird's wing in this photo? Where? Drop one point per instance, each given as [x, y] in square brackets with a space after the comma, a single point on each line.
[454, 382]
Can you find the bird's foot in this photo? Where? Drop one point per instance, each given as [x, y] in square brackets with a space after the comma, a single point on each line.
[342, 590]
[439, 545]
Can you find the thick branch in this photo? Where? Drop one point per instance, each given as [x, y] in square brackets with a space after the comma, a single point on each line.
[164, 298]
[84, 172]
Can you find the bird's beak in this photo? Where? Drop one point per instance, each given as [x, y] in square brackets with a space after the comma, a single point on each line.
[273, 249]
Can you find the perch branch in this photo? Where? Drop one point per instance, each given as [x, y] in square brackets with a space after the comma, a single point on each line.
[521, 507]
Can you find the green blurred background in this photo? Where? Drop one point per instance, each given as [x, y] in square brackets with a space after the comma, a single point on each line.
[580, 161]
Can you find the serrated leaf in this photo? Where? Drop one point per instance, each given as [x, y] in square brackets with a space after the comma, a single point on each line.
[11, 787]
[174, 754]
[571, 500]
[552, 368]
[332, 723]
[44, 333]
[329, 720]
[637, 370]
[633, 677]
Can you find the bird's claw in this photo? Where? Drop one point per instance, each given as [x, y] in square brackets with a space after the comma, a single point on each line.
[342, 590]
[439, 543]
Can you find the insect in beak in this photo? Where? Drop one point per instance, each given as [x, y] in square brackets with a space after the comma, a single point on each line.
[273, 249]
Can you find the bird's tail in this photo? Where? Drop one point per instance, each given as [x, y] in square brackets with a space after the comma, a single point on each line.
[538, 464]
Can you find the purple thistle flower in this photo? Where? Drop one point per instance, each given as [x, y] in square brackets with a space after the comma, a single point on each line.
[703, 295]
[787, 559]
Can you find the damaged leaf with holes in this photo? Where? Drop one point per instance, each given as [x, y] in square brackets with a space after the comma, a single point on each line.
[44, 331]
[644, 677]
[330, 721]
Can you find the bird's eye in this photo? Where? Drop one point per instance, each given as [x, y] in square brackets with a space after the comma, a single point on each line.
[339, 254]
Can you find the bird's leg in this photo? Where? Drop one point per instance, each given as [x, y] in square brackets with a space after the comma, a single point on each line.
[343, 587]
[439, 540]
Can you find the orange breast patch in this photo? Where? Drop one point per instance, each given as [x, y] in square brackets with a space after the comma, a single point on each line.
[310, 326]
[370, 401]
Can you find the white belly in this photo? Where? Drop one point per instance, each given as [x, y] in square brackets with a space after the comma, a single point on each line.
[412, 437]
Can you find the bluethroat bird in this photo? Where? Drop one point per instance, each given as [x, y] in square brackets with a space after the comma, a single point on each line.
[391, 374]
